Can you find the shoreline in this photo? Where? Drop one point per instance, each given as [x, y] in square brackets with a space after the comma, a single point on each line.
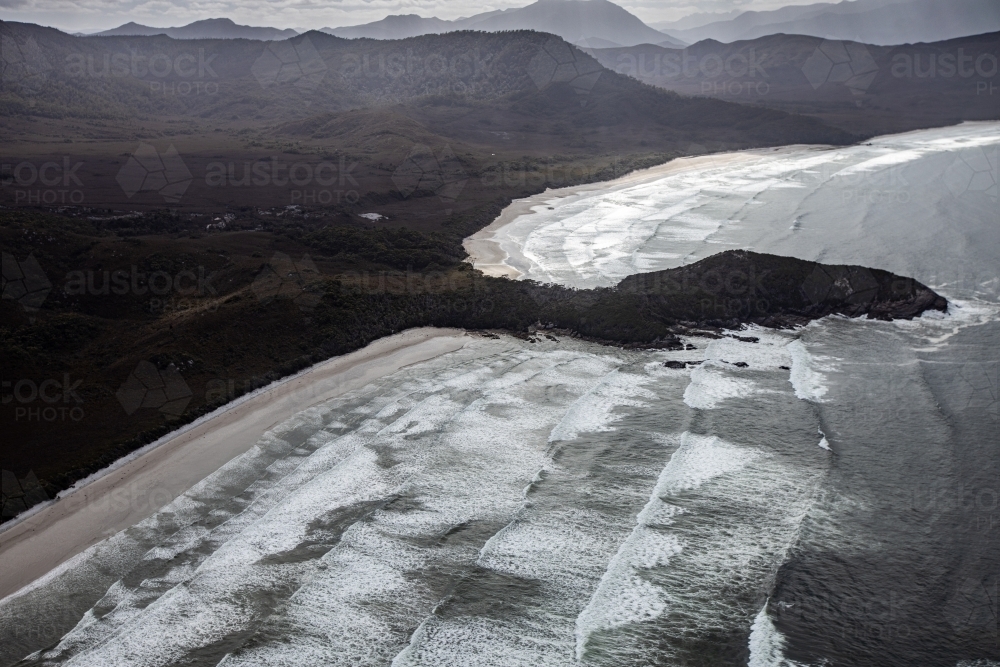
[488, 254]
[39, 541]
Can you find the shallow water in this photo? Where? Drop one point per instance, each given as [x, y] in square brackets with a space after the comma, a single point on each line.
[911, 203]
[833, 503]
[510, 503]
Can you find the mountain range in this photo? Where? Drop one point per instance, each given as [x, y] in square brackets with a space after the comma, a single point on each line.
[206, 29]
[863, 88]
[881, 22]
[600, 24]
[501, 102]
[592, 23]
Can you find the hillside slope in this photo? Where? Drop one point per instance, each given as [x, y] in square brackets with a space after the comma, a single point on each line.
[860, 87]
[520, 102]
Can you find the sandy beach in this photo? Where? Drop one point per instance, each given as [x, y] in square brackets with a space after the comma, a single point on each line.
[494, 259]
[33, 546]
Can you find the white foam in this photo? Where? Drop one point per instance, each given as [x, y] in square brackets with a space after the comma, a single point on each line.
[52, 574]
[712, 383]
[806, 375]
[937, 328]
[767, 644]
[270, 531]
[594, 412]
[623, 595]
[473, 469]
[768, 353]
[459, 439]
[851, 205]
[718, 379]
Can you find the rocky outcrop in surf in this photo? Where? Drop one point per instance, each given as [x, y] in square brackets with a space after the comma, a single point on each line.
[771, 290]
[727, 291]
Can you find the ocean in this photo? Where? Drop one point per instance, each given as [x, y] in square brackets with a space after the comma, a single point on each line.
[831, 500]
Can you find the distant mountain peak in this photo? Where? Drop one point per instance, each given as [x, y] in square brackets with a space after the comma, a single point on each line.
[220, 21]
[584, 22]
[211, 28]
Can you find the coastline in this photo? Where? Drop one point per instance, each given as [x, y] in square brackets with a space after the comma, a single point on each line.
[489, 255]
[38, 542]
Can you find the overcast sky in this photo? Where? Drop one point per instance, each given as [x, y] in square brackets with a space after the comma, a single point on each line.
[73, 15]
